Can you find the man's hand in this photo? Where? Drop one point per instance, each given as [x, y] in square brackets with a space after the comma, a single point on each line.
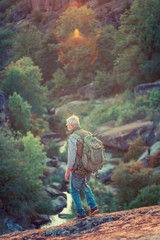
[67, 174]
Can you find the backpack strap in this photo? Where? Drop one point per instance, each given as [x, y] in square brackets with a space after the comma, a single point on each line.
[78, 137]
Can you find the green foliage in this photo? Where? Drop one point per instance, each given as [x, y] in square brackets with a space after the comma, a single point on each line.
[52, 149]
[154, 161]
[33, 160]
[21, 165]
[5, 46]
[104, 197]
[104, 84]
[46, 56]
[38, 126]
[106, 44]
[27, 42]
[56, 125]
[82, 18]
[137, 44]
[25, 79]
[148, 196]
[129, 178]
[60, 80]
[136, 148]
[77, 34]
[43, 207]
[20, 114]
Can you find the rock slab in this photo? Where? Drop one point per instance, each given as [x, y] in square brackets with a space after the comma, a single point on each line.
[120, 137]
[142, 224]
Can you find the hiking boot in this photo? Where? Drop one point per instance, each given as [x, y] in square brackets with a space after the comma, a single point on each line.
[94, 211]
[79, 217]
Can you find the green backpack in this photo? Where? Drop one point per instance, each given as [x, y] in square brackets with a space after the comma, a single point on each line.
[90, 152]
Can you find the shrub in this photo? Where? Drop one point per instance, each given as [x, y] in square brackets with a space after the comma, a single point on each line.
[129, 178]
[136, 148]
[38, 126]
[20, 114]
[21, 165]
[104, 197]
[148, 196]
[154, 161]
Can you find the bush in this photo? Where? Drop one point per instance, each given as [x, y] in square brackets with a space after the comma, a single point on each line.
[129, 178]
[154, 161]
[21, 165]
[136, 148]
[147, 196]
[20, 114]
[104, 197]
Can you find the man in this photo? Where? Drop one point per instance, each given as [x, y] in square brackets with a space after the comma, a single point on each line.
[75, 173]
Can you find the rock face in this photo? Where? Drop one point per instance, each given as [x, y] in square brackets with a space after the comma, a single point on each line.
[120, 137]
[142, 224]
[87, 92]
[108, 12]
[144, 89]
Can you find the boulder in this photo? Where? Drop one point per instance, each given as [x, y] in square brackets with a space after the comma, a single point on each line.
[61, 171]
[12, 226]
[154, 136]
[69, 108]
[104, 175]
[49, 171]
[40, 219]
[52, 162]
[144, 89]
[56, 185]
[104, 128]
[58, 204]
[120, 137]
[151, 152]
[87, 92]
[50, 136]
[54, 192]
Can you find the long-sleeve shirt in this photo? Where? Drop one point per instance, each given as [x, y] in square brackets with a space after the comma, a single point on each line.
[72, 151]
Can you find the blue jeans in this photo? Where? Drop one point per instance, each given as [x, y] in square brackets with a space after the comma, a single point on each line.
[78, 182]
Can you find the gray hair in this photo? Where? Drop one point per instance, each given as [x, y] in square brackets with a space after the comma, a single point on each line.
[74, 120]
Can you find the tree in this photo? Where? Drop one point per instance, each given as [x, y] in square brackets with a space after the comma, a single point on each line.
[77, 34]
[27, 42]
[46, 56]
[106, 44]
[21, 165]
[25, 79]
[20, 113]
[138, 44]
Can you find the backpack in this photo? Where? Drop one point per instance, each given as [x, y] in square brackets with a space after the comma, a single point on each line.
[90, 152]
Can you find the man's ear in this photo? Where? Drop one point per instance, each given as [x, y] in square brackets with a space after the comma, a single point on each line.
[72, 125]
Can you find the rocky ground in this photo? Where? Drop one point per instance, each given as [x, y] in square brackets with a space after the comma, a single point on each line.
[142, 224]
